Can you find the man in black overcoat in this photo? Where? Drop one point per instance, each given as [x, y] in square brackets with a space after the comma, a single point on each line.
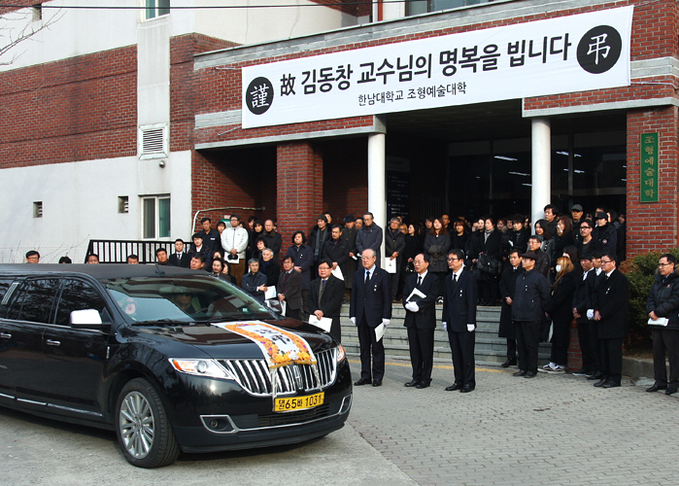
[611, 316]
[420, 320]
[459, 319]
[507, 289]
[325, 297]
[370, 307]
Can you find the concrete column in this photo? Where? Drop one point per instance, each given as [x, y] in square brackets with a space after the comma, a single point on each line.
[541, 167]
[377, 185]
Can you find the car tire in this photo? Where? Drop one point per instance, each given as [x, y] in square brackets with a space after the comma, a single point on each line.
[144, 431]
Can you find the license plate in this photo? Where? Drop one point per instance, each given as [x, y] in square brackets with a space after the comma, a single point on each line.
[298, 403]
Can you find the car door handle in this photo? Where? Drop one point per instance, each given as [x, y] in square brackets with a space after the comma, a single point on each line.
[50, 342]
[5, 335]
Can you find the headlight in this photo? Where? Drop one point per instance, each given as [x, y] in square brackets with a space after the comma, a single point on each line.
[201, 367]
[341, 353]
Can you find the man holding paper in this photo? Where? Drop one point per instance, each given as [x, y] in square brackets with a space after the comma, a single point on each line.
[419, 299]
[324, 299]
[459, 319]
[370, 310]
[662, 307]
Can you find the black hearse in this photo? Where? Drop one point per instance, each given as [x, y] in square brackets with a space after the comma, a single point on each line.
[171, 359]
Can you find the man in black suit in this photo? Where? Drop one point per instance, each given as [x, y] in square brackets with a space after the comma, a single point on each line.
[420, 320]
[325, 297]
[180, 258]
[459, 319]
[582, 302]
[611, 316]
[370, 307]
[290, 288]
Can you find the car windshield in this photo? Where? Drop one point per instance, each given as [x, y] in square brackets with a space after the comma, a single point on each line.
[190, 298]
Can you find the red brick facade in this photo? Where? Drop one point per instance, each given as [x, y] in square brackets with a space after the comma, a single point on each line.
[80, 108]
[653, 226]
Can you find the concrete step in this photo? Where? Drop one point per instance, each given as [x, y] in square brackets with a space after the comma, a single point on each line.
[489, 350]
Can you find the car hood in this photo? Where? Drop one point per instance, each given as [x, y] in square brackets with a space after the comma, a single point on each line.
[220, 343]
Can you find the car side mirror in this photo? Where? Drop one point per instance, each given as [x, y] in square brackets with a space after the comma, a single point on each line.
[86, 318]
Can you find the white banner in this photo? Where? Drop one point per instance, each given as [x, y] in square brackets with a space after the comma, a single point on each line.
[561, 55]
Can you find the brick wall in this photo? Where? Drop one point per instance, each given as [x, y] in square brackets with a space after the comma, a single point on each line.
[79, 108]
[300, 187]
[653, 226]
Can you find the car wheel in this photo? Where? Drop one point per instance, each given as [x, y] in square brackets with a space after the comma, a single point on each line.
[144, 431]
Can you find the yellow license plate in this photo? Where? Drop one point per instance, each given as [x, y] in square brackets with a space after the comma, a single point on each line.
[298, 403]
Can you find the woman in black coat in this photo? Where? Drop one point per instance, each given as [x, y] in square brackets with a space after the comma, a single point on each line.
[490, 242]
[561, 313]
[437, 244]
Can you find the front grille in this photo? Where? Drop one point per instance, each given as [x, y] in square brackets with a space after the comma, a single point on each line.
[254, 375]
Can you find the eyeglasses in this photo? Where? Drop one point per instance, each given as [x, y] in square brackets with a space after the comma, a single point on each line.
[453, 259]
[664, 264]
[603, 262]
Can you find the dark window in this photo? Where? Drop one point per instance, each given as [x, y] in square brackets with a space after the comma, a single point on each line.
[34, 300]
[79, 295]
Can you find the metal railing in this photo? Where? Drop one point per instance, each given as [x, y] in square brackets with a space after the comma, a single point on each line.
[117, 251]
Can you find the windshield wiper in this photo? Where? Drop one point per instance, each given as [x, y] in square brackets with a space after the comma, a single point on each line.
[155, 322]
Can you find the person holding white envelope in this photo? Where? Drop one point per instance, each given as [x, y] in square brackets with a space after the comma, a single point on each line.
[662, 307]
[325, 298]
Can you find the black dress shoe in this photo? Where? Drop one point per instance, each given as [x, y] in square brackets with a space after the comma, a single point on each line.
[601, 382]
[519, 373]
[362, 381]
[467, 389]
[657, 387]
[530, 374]
[671, 390]
[422, 384]
[453, 387]
[581, 372]
[412, 383]
[377, 382]
[508, 363]
[610, 384]
[595, 376]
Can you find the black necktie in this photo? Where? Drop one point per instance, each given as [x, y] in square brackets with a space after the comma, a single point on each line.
[367, 277]
[419, 280]
[454, 278]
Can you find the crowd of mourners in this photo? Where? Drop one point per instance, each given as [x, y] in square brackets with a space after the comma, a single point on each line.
[571, 251]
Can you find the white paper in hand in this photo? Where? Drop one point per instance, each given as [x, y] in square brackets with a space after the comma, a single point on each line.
[338, 273]
[379, 332]
[390, 265]
[271, 293]
[323, 323]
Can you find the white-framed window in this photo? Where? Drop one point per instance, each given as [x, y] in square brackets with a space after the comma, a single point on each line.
[154, 141]
[156, 8]
[155, 218]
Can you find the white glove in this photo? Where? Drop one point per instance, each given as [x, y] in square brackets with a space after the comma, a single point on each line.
[470, 327]
[590, 314]
[353, 321]
[412, 306]
[445, 326]
[386, 322]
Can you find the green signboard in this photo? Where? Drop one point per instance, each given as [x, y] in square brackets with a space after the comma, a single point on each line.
[649, 167]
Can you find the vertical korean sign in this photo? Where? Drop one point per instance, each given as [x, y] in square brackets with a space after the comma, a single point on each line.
[567, 54]
[649, 167]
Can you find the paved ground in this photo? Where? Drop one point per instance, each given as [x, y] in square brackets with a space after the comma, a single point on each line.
[551, 430]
